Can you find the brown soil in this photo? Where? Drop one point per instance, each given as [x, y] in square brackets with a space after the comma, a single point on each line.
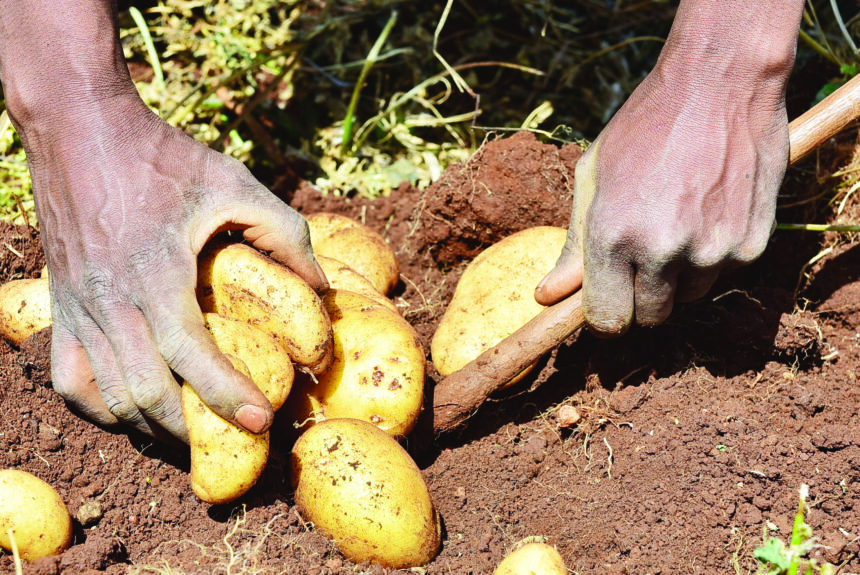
[694, 436]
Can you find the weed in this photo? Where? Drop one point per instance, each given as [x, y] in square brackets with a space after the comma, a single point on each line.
[777, 558]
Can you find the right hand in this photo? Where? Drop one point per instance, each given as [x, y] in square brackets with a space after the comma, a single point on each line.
[682, 183]
[126, 202]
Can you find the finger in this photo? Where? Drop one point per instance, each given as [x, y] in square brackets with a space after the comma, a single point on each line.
[607, 294]
[269, 225]
[654, 295]
[74, 380]
[187, 346]
[564, 279]
[144, 373]
[695, 284]
[109, 403]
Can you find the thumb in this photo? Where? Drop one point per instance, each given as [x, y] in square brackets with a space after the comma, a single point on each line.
[567, 275]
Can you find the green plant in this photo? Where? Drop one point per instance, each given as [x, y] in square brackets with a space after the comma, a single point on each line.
[777, 558]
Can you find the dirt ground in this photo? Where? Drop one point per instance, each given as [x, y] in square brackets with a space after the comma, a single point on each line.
[695, 435]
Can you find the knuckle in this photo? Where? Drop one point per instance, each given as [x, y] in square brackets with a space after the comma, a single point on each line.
[177, 346]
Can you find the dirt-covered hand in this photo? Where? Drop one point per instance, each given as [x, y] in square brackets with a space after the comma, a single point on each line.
[124, 209]
[682, 183]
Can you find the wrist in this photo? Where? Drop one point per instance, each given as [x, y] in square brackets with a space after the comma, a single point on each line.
[732, 45]
[60, 59]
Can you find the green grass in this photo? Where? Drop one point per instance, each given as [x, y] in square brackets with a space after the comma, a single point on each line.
[357, 100]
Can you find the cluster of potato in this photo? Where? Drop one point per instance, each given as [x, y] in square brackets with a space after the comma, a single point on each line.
[349, 372]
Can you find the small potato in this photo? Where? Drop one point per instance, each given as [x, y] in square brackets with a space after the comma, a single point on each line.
[25, 308]
[532, 559]
[355, 244]
[495, 297]
[361, 489]
[36, 515]
[225, 459]
[342, 277]
[237, 281]
[378, 370]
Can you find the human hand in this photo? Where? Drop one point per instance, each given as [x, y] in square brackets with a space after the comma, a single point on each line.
[125, 205]
[680, 185]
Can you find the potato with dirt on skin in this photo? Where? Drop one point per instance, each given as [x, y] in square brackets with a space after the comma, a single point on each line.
[360, 488]
[353, 243]
[532, 559]
[378, 370]
[25, 308]
[227, 460]
[495, 297]
[342, 277]
[34, 513]
[237, 281]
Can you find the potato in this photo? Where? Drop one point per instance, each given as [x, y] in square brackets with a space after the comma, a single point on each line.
[358, 246]
[36, 515]
[495, 297]
[342, 277]
[225, 459]
[532, 559]
[378, 370]
[25, 308]
[237, 281]
[361, 489]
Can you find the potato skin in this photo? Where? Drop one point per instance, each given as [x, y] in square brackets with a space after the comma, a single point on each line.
[532, 559]
[361, 489]
[35, 513]
[237, 281]
[378, 370]
[355, 244]
[25, 308]
[342, 277]
[495, 296]
[227, 460]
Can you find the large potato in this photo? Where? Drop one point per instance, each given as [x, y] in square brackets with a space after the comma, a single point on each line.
[378, 370]
[226, 460]
[358, 246]
[342, 277]
[25, 308]
[495, 296]
[532, 559]
[360, 488]
[237, 281]
[35, 514]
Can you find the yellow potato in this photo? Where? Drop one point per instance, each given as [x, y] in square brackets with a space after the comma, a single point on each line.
[25, 308]
[532, 559]
[378, 369]
[35, 514]
[342, 277]
[495, 297]
[238, 282]
[355, 244]
[360, 488]
[226, 460]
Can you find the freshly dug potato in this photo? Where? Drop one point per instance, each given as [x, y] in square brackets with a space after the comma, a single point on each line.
[36, 515]
[237, 281]
[355, 244]
[359, 487]
[342, 277]
[25, 308]
[532, 559]
[495, 296]
[225, 459]
[378, 370]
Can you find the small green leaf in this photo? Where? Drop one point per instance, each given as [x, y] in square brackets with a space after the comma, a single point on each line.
[773, 552]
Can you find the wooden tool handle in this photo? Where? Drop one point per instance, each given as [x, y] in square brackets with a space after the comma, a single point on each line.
[460, 394]
[824, 120]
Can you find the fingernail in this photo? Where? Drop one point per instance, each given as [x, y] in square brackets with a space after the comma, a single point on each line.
[252, 418]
